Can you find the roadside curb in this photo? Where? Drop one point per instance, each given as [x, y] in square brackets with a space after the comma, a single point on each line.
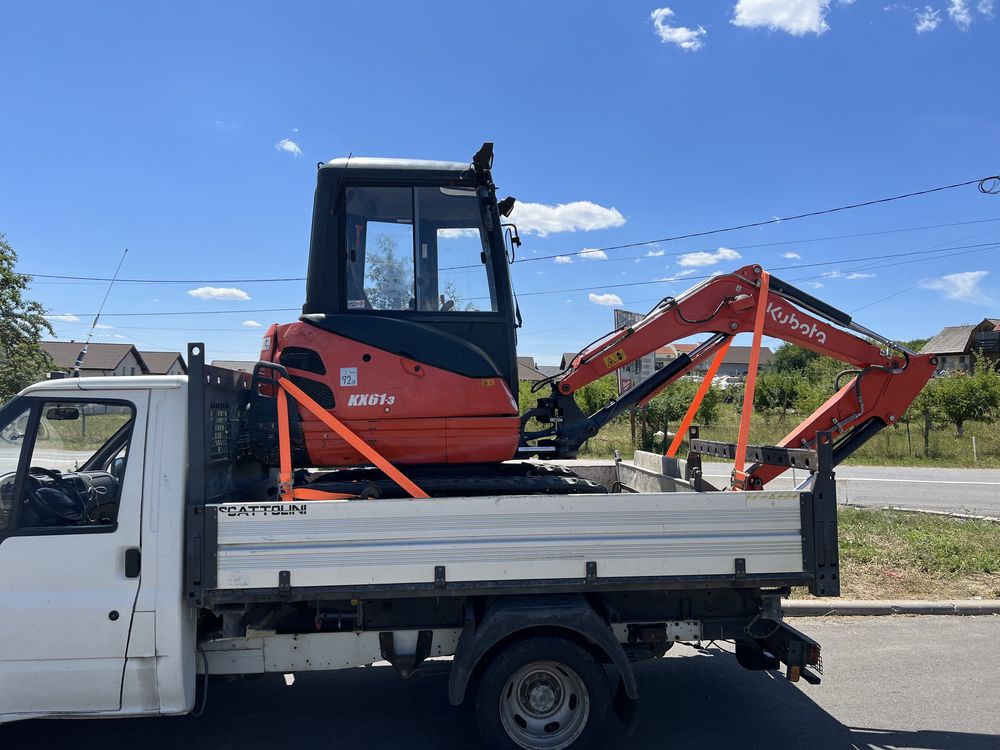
[870, 607]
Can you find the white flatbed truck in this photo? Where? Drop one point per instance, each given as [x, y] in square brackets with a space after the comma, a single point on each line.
[144, 550]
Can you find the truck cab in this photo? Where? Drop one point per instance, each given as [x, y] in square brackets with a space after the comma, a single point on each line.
[91, 477]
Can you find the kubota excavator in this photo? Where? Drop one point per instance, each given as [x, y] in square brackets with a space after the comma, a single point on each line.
[406, 347]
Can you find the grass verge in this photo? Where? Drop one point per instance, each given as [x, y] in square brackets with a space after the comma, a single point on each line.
[888, 554]
[900, 445]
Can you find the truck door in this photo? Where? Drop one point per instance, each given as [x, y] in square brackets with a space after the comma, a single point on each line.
[70, 509]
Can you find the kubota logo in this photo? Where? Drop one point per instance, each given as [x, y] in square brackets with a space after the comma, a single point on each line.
[371, 399]
[779, 316]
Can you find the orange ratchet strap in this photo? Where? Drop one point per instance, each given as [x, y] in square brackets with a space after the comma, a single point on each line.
[286, 490]
[698, 397]
[739, 475]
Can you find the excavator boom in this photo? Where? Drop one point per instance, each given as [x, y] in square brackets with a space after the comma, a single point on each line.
[884, 380]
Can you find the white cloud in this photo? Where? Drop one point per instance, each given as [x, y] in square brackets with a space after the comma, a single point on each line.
[961, 287]
[928, 19]
[287, 144]
[252, 324]
[456, 232]
[791, 256]
[591, 254]
[797, 17]
[853, 275]
[986, 8]
[608, 300]
[218, 292]
[702, 258]
[540, 219]
[654, 254]
[960, 14]
[64, 318]
[815, 285]
[295, 130]
[562, 259]
[102, 327]
[684, 37]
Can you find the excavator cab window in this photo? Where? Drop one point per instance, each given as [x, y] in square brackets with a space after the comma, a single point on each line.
[421, 249]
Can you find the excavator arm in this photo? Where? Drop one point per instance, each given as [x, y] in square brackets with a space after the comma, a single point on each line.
[882, 385]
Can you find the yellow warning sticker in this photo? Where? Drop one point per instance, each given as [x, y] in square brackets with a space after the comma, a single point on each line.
[489, 381]
[614, 359]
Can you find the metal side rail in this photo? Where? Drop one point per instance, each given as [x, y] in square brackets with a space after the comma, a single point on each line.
[820, 551]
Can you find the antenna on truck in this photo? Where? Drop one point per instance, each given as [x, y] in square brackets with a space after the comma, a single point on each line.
[83, 352]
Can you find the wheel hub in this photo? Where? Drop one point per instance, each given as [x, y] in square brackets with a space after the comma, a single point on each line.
[540, 693]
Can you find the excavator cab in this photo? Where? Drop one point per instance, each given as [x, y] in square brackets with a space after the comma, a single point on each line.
[408, 329]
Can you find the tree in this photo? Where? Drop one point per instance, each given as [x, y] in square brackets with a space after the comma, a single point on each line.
[914, 344]
[777, 393]
[790, 358]
[22, 325]
[963, 398]
[390, 278]
[670, 406]
[925, 410]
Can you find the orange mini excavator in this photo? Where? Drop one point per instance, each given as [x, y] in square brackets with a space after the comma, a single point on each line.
[406, 347]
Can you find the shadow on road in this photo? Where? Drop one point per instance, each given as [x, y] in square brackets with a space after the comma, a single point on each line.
[698, 701]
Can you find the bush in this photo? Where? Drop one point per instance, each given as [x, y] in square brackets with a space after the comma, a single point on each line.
[777, 393]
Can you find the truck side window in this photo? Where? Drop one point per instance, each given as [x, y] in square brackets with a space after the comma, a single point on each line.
[62, 486]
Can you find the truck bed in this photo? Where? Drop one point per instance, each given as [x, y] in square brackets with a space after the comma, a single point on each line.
[666, 529]
[489, 540]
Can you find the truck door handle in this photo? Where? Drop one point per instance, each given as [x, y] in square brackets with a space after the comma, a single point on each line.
[133, 562]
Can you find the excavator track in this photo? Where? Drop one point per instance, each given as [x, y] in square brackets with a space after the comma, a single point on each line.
[459, 481]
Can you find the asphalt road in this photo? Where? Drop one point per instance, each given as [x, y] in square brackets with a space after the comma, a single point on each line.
[890, 682]
[975, 491]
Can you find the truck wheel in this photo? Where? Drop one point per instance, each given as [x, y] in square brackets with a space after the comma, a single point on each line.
[542, 693]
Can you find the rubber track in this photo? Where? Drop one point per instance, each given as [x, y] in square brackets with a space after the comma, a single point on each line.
[464, 486]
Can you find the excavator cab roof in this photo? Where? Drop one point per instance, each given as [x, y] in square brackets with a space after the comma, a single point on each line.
[377, 168]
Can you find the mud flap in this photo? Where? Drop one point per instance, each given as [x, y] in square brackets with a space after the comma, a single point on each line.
[626, 709]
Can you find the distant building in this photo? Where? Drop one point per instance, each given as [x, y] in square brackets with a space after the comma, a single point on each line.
[670, 352]
[736, 363]
[958, 346]
[101, 360]
[164, 363]
[528, 370]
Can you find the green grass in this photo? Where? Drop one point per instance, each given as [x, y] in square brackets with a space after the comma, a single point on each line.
[891, 447]
[890, 554]
[937, 545]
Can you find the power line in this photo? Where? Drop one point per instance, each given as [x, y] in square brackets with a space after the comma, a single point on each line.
[592, 287]
[983, 182]
[988, 185]
[942, 253]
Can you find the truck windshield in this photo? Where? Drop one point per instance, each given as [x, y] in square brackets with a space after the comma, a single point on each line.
[423, 249]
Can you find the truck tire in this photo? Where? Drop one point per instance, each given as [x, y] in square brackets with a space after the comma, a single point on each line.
[542, 693]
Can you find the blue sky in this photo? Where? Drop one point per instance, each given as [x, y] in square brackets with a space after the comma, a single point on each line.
[189, 133]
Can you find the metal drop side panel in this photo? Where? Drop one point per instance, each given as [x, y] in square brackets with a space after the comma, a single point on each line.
[495, 539]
